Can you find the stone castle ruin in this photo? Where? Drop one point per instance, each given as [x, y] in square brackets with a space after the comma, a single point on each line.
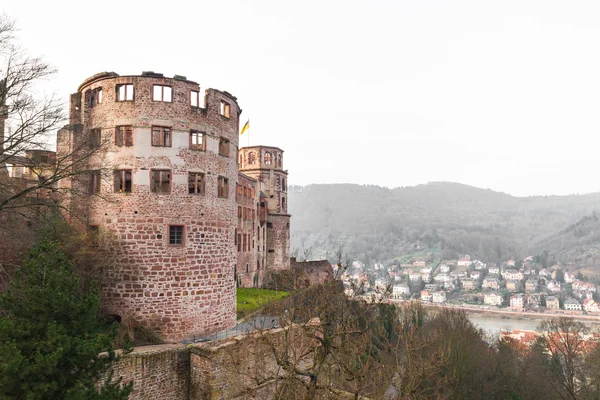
[190, 215]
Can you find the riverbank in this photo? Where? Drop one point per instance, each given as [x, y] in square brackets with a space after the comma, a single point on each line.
[513, 314]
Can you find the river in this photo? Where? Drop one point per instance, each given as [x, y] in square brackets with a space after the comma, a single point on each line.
[493, 325]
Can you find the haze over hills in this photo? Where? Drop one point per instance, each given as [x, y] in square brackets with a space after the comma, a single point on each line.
[378, 224]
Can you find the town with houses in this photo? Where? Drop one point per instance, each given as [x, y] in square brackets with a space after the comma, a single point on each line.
[522, 286]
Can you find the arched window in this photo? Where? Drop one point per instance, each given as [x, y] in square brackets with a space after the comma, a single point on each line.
[251, 158]
[279, 160]
[268, 158]
[241, 158]
[283, 187]
[283, 204]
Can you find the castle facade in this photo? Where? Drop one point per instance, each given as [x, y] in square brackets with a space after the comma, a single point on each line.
[189, 214]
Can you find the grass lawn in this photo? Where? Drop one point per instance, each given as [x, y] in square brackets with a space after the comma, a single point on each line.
[251, 299]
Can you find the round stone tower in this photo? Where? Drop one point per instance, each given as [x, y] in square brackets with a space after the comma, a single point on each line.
[165, 197]
[265, 164]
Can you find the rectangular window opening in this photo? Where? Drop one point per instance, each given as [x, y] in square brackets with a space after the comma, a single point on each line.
[162, 93]
[197, 140]
[176, 235]
[160, 181]
[224, 109]
[223, 187]
[161, 136]
[195, 98]
[122, 180]
[196, 183]
[124, 136]
[124, 92]
[94, 182]
[224, 147]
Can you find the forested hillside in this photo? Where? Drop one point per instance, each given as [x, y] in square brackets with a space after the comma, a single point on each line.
[380, 224]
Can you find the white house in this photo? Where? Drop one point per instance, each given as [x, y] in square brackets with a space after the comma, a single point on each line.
[572, 305]
[399, 290]
[590, 305]
[493, 299]
[464, 261]
[444, 269]
[516, 301]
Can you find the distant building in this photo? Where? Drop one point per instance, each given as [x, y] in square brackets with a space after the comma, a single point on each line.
[512, 275]
[513, 286]
[531, 285]
[590, 305]
[572, 305]
[516, 301]
[444, 268]
[491, 283]
[399, 290]
[432, 287]
[426, 296]
[476, 274]
[469, 284]
[493, 299]
[584, 286]
[419, 263]
[414, 277]
[553, 286]
[552, 303]
[570, 277]
[494, 270]
[442, 278]
[439, 297]
[464, 261]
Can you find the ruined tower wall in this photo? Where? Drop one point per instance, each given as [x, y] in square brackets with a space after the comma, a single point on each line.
[171, 241]
[265, 164]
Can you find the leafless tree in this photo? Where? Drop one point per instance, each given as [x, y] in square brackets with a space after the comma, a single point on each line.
[28, 121]
[567, 342]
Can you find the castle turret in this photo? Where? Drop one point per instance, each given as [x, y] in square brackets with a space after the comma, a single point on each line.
[265, 164]
[164, 193]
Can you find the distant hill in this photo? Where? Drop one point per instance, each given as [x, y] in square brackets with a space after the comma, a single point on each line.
[380, 224]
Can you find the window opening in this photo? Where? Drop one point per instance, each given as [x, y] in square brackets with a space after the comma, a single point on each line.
[160, 181]
[161, 136]
[122, 180]
[125, 92]
[162, 93]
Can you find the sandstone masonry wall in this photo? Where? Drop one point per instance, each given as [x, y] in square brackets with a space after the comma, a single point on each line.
[178, 287]
[157, 372]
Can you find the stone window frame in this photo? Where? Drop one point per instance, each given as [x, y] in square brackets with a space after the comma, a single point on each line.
[123, 180]
[225, 109]
[126, 92]
[195, 94]
[224, 147]
[95, 97]
[124, 135]
[181, 234]
[268, 160]
[198, 190]
[222, 187]
[160, 171]
[94, 182]
[196, 146]
[162, 93]
[161, 131]
[251, 158]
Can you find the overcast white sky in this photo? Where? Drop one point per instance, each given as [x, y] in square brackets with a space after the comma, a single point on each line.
[498, 94]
